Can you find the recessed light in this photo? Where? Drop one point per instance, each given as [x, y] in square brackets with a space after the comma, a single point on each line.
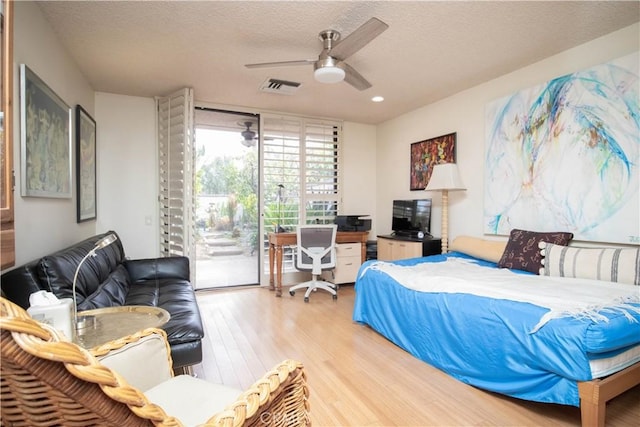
[377, 99]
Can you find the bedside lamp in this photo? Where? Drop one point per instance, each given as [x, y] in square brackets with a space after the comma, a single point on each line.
[102, 243]
[445, 178]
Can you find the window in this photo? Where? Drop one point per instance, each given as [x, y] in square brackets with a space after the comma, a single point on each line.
[301, 171]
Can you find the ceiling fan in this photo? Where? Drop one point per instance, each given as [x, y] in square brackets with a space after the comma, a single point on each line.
[249, 137]
[330, 66]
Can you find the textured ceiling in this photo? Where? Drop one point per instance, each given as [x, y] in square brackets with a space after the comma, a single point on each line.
[430, 51]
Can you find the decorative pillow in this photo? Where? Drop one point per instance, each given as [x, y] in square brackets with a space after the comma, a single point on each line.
[522, 251]
[620, 265]
[488, 250]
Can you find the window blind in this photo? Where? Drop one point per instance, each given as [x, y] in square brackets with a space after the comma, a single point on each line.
[301, 170]
[176, 173]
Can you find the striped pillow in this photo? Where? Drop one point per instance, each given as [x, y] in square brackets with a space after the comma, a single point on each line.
[620, 265]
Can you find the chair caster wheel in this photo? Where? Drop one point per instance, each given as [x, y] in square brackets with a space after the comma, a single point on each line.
[335, 297]
[306, 299]
[292, 293]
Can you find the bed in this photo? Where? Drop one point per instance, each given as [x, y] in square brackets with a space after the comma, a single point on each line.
[509, 331]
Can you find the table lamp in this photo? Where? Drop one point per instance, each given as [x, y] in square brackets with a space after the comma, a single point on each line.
[102, 243]
[445, 178]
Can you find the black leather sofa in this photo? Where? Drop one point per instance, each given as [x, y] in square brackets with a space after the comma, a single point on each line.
[109, 279]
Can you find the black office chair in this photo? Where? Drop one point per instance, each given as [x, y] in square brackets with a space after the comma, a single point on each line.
[316, 252]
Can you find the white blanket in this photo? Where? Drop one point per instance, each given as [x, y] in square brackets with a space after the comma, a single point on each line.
[562, 296]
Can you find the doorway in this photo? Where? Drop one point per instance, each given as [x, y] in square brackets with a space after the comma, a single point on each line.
[227, 198]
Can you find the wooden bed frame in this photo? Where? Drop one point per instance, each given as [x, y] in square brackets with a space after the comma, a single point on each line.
[594, 394]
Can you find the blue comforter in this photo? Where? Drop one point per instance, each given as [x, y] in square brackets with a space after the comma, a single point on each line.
[487, 342]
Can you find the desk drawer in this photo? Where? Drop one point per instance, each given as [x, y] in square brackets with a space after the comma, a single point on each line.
[348, 260]
[348, 249]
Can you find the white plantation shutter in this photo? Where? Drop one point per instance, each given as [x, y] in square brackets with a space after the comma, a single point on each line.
[321, 172]
[302, 155]
[176, 173]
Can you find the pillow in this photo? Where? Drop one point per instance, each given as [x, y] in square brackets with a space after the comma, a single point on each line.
[144, 362]
[488, 250]
[522, 251]
[620, 265]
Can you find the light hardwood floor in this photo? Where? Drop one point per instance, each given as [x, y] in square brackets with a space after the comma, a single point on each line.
[356, 377]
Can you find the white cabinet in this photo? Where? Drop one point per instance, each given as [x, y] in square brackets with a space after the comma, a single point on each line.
[348, 260]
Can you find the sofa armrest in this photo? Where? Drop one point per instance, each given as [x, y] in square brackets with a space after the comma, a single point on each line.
[143, 358]
[175, 267]
[18, 284]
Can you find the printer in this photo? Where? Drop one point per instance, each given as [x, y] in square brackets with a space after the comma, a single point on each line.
[353, 223]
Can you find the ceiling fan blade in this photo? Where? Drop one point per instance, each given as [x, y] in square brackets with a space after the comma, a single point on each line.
[354, 78]
[358, 39]
[281, 64]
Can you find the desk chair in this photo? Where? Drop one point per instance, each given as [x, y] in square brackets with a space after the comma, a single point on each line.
[316, 252]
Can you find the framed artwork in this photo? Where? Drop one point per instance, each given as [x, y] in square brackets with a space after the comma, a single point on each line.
[85, 165]
[45, 139]
[564, 155]
[428, 153]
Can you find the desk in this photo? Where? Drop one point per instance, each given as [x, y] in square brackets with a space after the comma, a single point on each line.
[116, 322]
[278, 240]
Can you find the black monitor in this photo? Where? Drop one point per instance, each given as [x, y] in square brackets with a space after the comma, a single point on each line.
[411, 217]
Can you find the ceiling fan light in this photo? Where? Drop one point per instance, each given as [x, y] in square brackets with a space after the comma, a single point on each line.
[329, 74]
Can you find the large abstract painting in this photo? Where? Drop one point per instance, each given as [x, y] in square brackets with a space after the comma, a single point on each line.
[565, 156]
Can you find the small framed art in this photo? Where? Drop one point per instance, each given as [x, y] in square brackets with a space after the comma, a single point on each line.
[428, 153]
[85, 165]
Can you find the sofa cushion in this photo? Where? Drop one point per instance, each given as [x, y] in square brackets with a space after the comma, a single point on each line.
[192, 400]
[178, 298]
[110, 293]
[56, 271]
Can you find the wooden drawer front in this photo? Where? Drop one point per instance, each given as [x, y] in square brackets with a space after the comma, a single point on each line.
[348, 250]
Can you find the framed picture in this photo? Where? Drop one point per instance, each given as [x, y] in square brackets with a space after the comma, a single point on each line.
[85, 165]
[45, 139]
[428, 153]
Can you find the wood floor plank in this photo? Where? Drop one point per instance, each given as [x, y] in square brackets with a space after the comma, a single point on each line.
[357, 377]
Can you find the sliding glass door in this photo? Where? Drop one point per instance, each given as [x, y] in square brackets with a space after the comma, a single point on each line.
[227, 201]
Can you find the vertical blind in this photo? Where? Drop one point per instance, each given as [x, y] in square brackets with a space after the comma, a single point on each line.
[176, 173]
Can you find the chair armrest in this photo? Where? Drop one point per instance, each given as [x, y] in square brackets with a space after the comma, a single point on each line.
[142, 359]
[175, 267]
[280, 397]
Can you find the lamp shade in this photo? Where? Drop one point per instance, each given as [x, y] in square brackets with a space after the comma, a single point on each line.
[330, 74]
[445, 176]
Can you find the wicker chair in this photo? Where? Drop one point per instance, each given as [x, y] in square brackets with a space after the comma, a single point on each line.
[47, 380]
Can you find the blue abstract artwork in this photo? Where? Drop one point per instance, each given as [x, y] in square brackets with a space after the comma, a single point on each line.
[565, 156]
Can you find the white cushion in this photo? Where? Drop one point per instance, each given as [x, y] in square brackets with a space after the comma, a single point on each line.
[191, 400]
[143, 363]
[620, 265]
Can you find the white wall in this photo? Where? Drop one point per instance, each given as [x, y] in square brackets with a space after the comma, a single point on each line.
[127, 172]
[43, 225]
[359, 183]
[464, 113]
